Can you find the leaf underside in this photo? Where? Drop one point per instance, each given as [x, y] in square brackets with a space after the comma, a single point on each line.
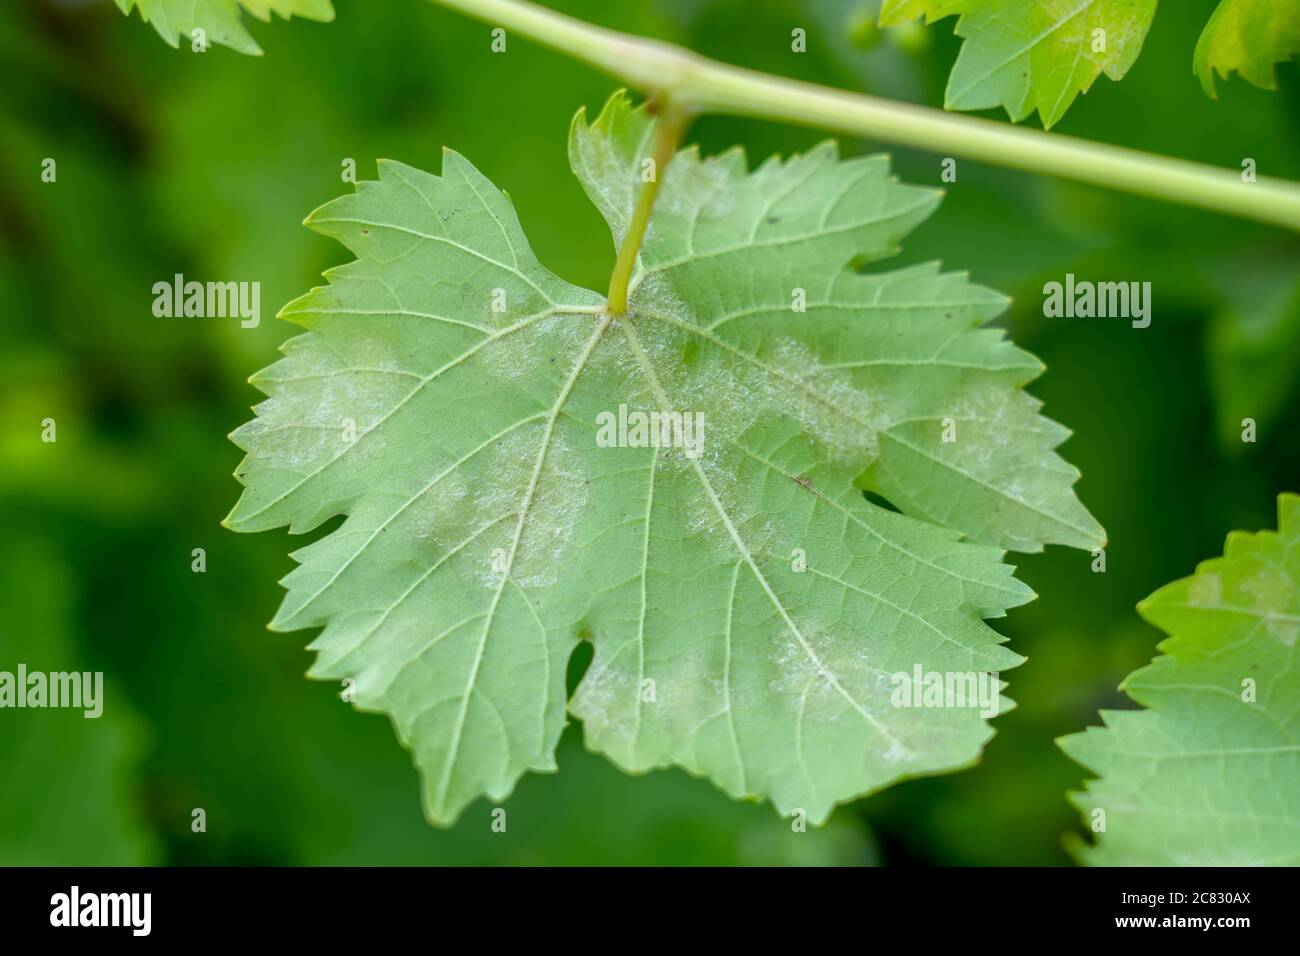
[220, 19]
[446, 398]
[1207, 774]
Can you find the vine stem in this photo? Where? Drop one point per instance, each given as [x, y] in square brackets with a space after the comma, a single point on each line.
[695, 84]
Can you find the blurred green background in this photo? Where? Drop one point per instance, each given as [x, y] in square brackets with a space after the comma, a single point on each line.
[206, 164]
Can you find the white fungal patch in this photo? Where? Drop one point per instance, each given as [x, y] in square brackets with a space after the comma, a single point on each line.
[524, 353]
[299, 445]
[1272, 597]
[696, 191]
[498, 489]
[840, 418]
[739, 389]
[1205, 590]
[800, 670]
[442, 510]
[558, 504]
[606, 698]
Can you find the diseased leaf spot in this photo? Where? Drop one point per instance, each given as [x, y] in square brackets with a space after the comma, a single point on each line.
[484, 534]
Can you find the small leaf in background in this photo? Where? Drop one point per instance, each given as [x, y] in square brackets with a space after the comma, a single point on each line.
[220, 20]
[1250, 37]
[1208, 773]
[1253, 354]
[1027, 55]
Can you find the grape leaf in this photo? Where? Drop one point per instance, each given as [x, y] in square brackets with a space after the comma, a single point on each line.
[1027, 55]
[220, 19]
[1248, 36]
[447, 398]
[1208, 774]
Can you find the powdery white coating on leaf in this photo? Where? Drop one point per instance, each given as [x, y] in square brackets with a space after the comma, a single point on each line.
[488, 532]
[726, 280]
[1209, 773]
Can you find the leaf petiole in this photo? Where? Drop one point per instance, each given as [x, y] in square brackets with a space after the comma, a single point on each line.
[669, 127]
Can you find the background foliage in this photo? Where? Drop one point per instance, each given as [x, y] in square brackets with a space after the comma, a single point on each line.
[174, 162]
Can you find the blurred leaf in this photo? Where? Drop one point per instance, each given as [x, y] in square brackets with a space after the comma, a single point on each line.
[1027, 55]
[220, 19]
[1207, 774]
[1248, 36]
[1253, 352]
[664, 818]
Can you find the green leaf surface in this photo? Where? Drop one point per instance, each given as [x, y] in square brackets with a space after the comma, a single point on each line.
[447, 398]
[1027, 55]
[220, 19]
[1207, 774]
[1250, 37]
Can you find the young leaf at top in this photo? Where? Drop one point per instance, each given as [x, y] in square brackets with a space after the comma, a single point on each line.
[220, 19]
[1209, 773]
[747, 606]
[1248, 36]
[1027, 55]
